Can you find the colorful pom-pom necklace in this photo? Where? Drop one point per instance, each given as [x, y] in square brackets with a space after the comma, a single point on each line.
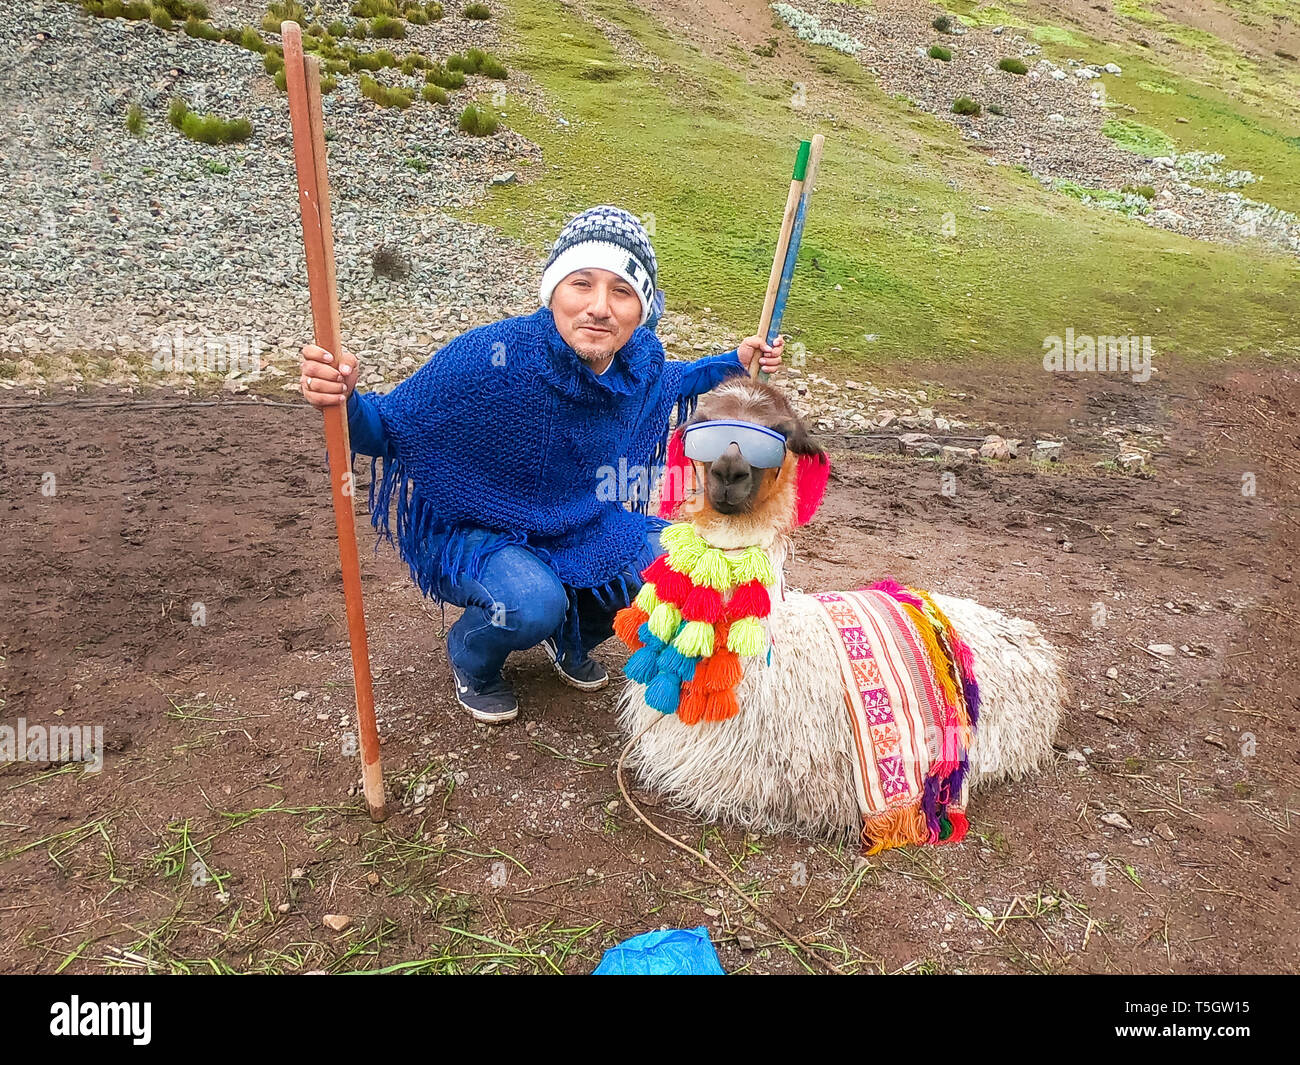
[699, 611]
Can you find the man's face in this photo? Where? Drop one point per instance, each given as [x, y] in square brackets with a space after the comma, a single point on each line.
[596, 312]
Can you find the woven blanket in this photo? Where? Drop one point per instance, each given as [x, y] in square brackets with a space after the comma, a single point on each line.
[912, 701]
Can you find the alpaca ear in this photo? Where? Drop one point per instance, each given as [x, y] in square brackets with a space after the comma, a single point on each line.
[812, 471]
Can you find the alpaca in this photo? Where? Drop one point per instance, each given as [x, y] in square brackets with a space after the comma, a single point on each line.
[786, 761]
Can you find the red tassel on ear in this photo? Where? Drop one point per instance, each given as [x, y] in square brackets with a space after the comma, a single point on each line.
[810, 477]
[750, 600]
[678, 476]
[703, 604]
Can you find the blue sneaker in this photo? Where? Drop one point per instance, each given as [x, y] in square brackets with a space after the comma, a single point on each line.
[587, 674]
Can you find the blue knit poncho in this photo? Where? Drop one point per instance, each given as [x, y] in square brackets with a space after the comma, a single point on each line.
[506, 428]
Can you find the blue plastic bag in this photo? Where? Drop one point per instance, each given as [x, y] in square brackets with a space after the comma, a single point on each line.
[676, 952]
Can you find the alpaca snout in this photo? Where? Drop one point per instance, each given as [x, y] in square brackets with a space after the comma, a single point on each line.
[731, 482]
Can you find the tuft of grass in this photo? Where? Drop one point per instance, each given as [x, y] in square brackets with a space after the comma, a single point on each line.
[1136, 137]
[384, 95]
[477, 11]
[207, 129]
[338, 28]
[1147, 192]
[283, 11]
[414, 62]
[432, 94]
[252, 40]
[477, 61]
[597, 70]
[943, 24]
[204, 31]
[937, 51]
[417, 16]
[439, 75]
[372, 60]
[360, 31]
[995, 109]
[964, 105]
[216, 166]
[374, 8]
[478, 122]
[386, 28]
[1012, 65]
[135, 120]
[161, 18]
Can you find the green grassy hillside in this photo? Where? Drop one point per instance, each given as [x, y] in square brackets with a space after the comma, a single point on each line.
[705, 145]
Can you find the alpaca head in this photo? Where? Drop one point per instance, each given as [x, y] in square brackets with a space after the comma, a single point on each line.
[732, 502]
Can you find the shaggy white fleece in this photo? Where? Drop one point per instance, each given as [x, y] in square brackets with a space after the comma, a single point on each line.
[784, 763]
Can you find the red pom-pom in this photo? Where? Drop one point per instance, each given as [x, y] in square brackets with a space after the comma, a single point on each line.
[750, 600]
[673, 587]
[703, 604]
[656, 570]
[692, 704]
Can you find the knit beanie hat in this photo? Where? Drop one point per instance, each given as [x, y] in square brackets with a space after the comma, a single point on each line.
[607, 238]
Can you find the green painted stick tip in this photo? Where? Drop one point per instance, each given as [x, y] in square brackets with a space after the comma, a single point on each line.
[801, 160]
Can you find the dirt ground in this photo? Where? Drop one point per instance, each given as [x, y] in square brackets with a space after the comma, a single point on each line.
[225, 823]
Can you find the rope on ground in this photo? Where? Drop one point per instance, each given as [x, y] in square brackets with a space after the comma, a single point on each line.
[806, 948]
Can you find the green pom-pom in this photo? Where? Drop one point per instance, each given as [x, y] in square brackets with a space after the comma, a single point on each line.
[647, 599]
[695, 640]
[752, 565]
[664, 621]
[711, 570]
[684, 546]
[746, 636]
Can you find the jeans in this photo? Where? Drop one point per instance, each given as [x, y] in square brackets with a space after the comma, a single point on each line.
[520, 601]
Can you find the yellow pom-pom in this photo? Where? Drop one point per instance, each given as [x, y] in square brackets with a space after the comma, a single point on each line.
[684, 546]
[747, 637]
[646, 598]
[711, 570]
[752, 565]
[664, 621]
[695, 639]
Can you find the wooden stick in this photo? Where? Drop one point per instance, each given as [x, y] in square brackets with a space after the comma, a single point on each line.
[796, 238]
[302, 77]
[782, 243]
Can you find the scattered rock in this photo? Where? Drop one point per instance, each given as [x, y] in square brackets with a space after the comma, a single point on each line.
[1165, 832]
[336, 922]
[1164, 650]
[507, 178]
[1117, 820]
[921, 444]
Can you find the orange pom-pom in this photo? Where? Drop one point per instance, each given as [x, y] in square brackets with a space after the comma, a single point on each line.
[750, 600]
[626, 622]
[691, 706]
[703, 604]
[720, 705]
[723, 671]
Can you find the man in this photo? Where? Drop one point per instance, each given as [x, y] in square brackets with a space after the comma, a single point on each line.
[503, 447]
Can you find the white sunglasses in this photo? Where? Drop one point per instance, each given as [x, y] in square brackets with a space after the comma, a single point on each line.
[762, 447]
